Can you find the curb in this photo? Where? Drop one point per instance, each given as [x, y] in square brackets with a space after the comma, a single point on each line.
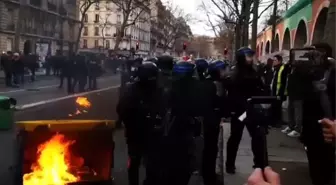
[35, 104]
[220, 155]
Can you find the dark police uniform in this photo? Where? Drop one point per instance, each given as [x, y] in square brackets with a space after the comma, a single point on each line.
[213, 112]
[244, 83]
[180, 129]
[140, 109]
[94, 69]
[80, 73]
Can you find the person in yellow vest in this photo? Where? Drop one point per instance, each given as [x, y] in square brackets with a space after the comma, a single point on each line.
[279, 88]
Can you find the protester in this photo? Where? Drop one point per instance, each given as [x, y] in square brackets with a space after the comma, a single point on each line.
[279, 85]
[7, 66]
[18, 67]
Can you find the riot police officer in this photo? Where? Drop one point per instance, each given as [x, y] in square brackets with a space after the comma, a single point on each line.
[201, 66]
[165, 64]
[244, 83]
[80, 73]
[93, 71]
[139, 109]
[212, 118]
[179, 129]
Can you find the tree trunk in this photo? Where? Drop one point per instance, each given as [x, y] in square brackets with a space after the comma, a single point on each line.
[103, 38]
[247, 15]
[79, 35]
[329, 31]
[274, 23]
[255, 25]
[238, 35]
[119, 36]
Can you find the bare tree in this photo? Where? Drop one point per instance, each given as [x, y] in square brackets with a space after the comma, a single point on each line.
[175, 28]
[83, 8]
[105, 23]
[132, 11]
[234, 12]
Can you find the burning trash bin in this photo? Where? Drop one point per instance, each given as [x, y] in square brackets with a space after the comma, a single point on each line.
[6, 112]
[65, 152]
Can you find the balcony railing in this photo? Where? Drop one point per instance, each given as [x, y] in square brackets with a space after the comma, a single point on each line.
[37, 3]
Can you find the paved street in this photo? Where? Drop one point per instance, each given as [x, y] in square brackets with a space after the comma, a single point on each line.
[103, 107]
[286, 155]
[47, 89]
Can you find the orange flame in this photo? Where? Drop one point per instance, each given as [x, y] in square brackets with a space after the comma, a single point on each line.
[83, 101]
[52, 165]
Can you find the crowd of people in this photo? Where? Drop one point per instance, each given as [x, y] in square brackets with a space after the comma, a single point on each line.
[14, 66]
[167, 104]
[78, 70]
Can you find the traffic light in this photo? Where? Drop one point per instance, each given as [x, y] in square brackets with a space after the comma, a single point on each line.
[225, 51]
[184, 46]
[137, 46]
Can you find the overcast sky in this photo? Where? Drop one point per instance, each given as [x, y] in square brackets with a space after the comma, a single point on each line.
[191, 7]
[198, 26]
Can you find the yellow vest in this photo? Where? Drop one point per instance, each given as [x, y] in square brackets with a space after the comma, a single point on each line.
[279, 81]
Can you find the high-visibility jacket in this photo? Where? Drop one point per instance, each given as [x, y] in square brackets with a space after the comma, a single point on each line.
[279, 81]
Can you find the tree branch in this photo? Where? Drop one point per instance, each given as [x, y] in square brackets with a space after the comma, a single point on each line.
[262, 12]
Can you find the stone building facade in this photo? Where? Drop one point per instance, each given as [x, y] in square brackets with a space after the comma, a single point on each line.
[38, 26]
[102, 24]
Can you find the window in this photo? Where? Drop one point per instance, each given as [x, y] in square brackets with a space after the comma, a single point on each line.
[96, 32]
[97, 6]
[107, 44]
[108, 31]
[84, 43]
[86, 18]
[96, 43]
[86, 30]
[97, 18]
[118, 19]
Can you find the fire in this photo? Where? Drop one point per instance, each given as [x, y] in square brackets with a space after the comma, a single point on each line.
[52, 166]
[83, 101]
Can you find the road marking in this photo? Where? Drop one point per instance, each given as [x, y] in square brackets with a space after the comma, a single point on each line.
[42, 87]
[25, 89]
[30, 105]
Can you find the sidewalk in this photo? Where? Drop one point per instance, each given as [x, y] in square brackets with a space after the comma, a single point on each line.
[286, 156]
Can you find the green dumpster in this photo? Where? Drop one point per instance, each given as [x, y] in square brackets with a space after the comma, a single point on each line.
[6, 112]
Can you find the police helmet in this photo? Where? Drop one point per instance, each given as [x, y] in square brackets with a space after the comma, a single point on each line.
[147, 71]
[184, 68]
[244, 54]
[215, 67]
[201, 64]
[165, 62]
[245, 51]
